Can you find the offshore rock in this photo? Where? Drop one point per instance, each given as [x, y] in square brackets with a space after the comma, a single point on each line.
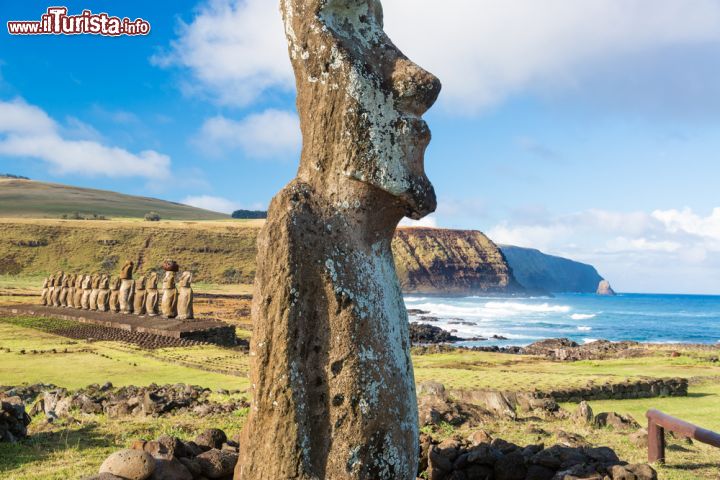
[333, 390]
[605, 289]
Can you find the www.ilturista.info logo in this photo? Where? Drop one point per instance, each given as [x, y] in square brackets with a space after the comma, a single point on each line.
[57, 22]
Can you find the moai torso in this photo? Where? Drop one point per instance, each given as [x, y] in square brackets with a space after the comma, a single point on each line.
[94, 292]
[140, 295]
[333, 393]
[168, 305]
[152, 297]
[185, 297]
[126, 288]
[103, 300]
[114, 295]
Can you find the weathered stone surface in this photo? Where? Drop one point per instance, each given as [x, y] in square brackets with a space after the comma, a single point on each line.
[87, 292]
[185, 297]
[152, 296]
[103, 299]
[334, 395]
[78, 293]
[114, 295]
[170, 469]
[129, 464]
[211, 438]
[94, 291]
[583, 413]
[168, 304]
[44, 292]
[13, 419]
[217, 463]
[69, 296]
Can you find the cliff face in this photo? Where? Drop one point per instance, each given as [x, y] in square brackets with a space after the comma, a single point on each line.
[428, 260]
[453, 262]
[535, 270]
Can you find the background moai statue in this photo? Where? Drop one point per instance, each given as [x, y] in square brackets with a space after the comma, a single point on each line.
[59, 277]
[95, 291]
[126, 288]
[114, 295]
[51, 290]
[63, 298]
[78, 291]
[103, 300]
[44, 292]
[152, 297]
[168, 305]
[70, 295]
[87, 292]
[185, 297]
[333, 393]
[140, 294]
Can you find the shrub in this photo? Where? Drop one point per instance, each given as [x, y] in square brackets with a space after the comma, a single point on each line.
[152, 217]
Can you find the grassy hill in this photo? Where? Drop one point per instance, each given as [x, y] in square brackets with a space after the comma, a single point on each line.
[21, 198]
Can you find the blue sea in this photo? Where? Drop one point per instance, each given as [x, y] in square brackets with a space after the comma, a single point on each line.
[580, 317]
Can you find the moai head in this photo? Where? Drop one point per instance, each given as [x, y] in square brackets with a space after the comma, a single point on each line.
[51, 281]
[169, 280]
[140, 283]
[70, 280]
[46, 282]
[96, 281]
[114, 283]
[360, 102]
[59, 277]
[79, 280]
[105, 282]
[152, 280]
[127, 271]
[185, 279]
[87, 282]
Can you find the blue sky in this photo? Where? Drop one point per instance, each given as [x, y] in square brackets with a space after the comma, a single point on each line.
[586, 129]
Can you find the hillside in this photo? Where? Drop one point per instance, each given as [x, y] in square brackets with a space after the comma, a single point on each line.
[428, 260]
[21, 198]
[536, 270]
[453, 262]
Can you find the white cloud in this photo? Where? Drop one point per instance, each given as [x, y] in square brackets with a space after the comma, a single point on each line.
[27, 131]
[429, 221]
[208, 202]
[484, 51]
[663, 251]
[272, 133]
[235, 49]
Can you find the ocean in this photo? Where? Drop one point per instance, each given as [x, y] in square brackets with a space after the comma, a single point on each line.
[580, 317]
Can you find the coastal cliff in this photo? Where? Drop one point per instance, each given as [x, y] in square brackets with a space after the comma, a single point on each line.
[454, 262]
[536, 270]
[428, 260]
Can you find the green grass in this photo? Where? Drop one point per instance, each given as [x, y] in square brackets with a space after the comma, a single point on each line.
[32, 199]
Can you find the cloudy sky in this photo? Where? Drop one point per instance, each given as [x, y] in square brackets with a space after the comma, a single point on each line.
[589, 129]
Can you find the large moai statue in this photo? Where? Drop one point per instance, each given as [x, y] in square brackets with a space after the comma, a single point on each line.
[50, 291]
[78, 291]
[126, 288]
[185, 297]
[59, 278]
[95, 291]
[70, 296]
[87, 292]
[332, 379]
[103, 300]
[168, 305]
[64, 290]
[114, 295]
[140, 293]
[152, 297]
[45, 290]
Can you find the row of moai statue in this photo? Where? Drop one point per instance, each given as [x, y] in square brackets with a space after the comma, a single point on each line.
[140, 296]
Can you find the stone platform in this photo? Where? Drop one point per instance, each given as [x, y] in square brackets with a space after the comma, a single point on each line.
[198, 330]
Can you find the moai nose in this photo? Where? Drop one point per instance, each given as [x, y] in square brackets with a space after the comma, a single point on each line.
[415, 88]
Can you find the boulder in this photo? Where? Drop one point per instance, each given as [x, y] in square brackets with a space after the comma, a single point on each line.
[583, 414]
[211, 438]
[129, 464]
[170, 469]
[616, 421]
[217, 463]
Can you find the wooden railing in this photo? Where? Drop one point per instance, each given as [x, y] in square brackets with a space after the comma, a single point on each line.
[658, 422]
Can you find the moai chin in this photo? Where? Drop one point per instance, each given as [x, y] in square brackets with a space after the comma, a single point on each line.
[152, 297]
[139, 294]
[126, 288]
[333, 388]
[185, 297]
[168, 305]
